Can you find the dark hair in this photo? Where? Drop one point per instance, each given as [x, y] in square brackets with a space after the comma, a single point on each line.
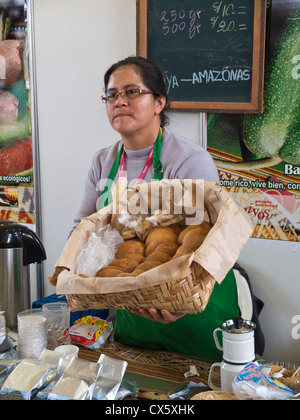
[151, 76]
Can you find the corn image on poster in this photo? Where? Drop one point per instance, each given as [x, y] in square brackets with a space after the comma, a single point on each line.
[16, 156]
[258, 156]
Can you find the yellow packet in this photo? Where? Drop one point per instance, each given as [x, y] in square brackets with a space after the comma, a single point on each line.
[90, 331]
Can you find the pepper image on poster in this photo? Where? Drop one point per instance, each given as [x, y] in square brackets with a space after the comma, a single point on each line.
[16, 157]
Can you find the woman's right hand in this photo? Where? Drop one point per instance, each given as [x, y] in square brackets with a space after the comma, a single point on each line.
[163, 315]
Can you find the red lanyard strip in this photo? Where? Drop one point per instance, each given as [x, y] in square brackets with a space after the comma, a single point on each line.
[145, 169]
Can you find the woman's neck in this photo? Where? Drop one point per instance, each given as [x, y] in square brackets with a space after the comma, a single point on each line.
[140, 140]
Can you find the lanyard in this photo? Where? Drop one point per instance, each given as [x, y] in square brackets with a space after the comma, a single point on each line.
[154, 157]
[145, 169]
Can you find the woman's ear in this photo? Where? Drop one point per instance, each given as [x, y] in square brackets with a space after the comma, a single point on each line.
[160, 103]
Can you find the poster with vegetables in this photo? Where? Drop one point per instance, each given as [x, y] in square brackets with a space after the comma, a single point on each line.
[16, 157]
[258, 156]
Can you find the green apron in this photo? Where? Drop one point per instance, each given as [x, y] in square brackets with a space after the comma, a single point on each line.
[192, 334]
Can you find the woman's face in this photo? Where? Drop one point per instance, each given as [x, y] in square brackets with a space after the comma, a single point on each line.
[135, 116]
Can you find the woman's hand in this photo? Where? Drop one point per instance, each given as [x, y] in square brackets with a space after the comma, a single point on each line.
[163, 316]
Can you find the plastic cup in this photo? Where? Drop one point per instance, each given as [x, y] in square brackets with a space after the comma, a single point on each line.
[32, 334]
[68, 351]
[58, 320]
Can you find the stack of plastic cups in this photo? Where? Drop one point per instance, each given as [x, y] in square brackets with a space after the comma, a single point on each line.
[32, 334]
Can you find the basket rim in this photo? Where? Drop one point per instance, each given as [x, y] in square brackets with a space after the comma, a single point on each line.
[195, 303]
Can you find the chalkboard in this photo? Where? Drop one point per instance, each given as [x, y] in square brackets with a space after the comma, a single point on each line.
[210, 51]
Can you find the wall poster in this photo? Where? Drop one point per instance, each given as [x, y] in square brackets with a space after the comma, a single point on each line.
[258, 156]
[17, 202]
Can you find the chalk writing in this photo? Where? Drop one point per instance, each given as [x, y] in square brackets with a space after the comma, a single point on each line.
[206, 76]
[180, 20]
[224, 18]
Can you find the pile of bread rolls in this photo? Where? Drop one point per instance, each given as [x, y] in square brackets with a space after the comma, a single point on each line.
[157, 246]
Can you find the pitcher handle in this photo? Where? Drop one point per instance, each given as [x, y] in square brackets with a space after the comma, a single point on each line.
[216, 339]
[210, 384]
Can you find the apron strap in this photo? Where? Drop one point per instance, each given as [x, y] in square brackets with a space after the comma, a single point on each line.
[158, 168]
[106, 197]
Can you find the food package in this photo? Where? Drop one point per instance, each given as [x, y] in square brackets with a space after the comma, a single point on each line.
[90, 332]
[28, 377]
[289, 374]
[110, 376]
[6, 367]
[77, 381]
[253, 383]
[194, 202]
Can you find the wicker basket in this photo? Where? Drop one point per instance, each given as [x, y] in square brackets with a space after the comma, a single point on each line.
[181, 285]
[188, 295]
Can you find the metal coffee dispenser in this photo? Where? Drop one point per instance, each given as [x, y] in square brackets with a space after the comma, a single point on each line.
[19, 247]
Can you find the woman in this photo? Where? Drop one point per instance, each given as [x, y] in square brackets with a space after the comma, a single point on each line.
[136, 101]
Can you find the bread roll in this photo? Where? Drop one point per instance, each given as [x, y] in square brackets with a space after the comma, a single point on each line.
[215, 395]
[203, 228]
[151, 248]
[194, 238]
[132, 246]
[175, 228]
[166, 248]
[206, 226]
[125, 264]
[185, 231]
[184, 250]
[109, 272]
[161, 235]
[139, 258]
[147, 265]
[158, 256]
[53, 278]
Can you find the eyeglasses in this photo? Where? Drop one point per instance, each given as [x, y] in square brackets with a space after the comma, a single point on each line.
[125, 94]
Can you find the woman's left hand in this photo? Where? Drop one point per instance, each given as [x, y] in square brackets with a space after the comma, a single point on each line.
[163, 316]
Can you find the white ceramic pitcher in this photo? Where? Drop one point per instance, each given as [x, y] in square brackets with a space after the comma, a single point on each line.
[238, 350]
